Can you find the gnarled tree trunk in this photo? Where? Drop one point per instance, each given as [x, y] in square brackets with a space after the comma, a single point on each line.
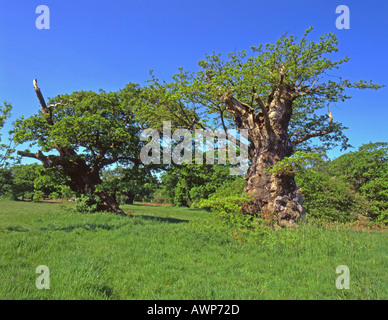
[273, 193]
[83, 179]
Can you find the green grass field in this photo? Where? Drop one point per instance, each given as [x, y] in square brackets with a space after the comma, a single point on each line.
[179, 253]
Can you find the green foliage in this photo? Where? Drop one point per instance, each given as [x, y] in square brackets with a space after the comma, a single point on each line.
[6, 149]
[130, 184]
[298, 162]
[33, 182]
[5, 113]
[87, 203]
[190, 100]
[228, 209]
[23, 177]
[367, 171]
[158, 198]
[226, 202]
[6, 183]
[100, 123]
[230, 188]
[329, 198]
[353, 186]
[186, 184]
[51, 183]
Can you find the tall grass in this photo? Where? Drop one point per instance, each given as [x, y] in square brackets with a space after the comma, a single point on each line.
[179, 253]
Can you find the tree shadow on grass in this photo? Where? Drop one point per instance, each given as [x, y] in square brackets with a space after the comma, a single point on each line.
[15, 228]
[94, 226]
[104, 226]
[85, 226]
[161, 219]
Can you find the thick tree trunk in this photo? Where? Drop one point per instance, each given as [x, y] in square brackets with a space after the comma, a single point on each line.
[131, 197]
[109, 203]
[273, 193]
[84, 180]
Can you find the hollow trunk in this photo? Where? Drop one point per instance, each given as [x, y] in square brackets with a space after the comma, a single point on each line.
[273, 193]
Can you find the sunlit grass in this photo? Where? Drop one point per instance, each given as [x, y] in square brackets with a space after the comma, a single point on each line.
[179, 253]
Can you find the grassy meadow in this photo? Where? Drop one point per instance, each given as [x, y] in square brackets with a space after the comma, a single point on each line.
[179, 253]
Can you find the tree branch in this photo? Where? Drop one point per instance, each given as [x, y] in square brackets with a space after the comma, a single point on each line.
[317, 133]
[222, 121]
[297, 94]
[47, 161]
[39, 95]
[312, 135]
[267, 121]
[43, 105]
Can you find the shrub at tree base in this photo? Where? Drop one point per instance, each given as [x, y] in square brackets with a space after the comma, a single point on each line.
[87, 203]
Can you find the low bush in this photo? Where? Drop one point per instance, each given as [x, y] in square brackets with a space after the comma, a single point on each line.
[87, 203]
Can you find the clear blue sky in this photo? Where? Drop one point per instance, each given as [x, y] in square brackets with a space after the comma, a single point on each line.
[106, 44]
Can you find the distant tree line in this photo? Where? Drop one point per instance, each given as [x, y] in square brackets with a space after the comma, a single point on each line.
[352, 187]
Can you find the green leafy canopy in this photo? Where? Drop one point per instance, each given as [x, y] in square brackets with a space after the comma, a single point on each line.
[99, 125]
[193, 99]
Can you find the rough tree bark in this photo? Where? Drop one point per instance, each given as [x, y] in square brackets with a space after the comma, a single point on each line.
[273, 193]
[83, 178]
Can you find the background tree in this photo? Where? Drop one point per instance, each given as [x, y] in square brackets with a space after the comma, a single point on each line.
[6, 149]
[185, 184]
[6, 183]
[367, 171]
[278, 94]
[130, 184]
[22, 181]
[329, 197]
[51, 183]
[88, 131]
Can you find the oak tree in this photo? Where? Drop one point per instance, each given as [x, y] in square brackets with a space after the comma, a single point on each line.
[83, 133]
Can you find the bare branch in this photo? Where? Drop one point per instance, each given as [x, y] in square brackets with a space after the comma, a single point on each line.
[43, 105]
[209, 76]
[312, 135]
[330, 114]
[39, 95]
[53, 105]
